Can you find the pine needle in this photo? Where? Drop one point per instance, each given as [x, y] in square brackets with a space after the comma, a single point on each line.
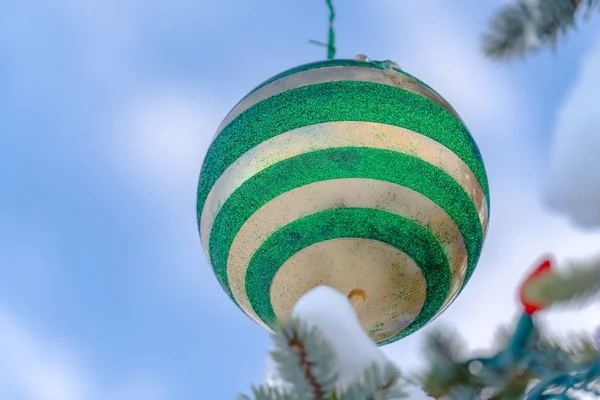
[305, 360]
[575, 285]
[528, 25]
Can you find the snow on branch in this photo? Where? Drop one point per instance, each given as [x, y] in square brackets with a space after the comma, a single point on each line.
[322, 353]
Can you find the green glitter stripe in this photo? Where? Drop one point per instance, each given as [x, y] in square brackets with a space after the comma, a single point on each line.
[337, 101]
[339, 163]
[332, 63]
[405, 235]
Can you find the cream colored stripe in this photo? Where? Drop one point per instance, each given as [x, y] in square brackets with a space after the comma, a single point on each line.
[391, 285]
[333, 194]
[333, 74]
[331, 135]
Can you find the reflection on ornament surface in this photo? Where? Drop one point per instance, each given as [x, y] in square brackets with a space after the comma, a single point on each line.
[351, 174]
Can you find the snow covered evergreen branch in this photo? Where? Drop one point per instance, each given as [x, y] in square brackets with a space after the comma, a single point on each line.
[578, 283]
[539, 365]
[322, 353]
[527, 25]
[305, 358]
[307, 366]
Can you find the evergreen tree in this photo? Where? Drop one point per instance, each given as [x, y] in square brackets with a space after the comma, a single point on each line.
[525, 26]
[314, 361]
[452, 375]
[526, 361]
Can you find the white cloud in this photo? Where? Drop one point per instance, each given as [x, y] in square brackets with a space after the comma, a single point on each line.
[162, 137]
[37, 372]
[95, 43]
[164, 132]
[573, 186]
[32, 367]
[442, 47]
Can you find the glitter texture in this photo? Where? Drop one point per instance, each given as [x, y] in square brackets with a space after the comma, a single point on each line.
[386, 227]
[339, 163]
[338, 101]
[333, 63]
[448, 176]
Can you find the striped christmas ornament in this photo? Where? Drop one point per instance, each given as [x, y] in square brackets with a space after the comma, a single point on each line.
[346, 173]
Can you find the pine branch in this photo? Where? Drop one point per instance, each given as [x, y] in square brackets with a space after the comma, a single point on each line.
[306, 364]
[269, 393]
[377, 384]
[444, 345]
[449, 376]
[579, 283]
[463, 393]
[447, 373]
[528, 25]
[305, 360]
[580, 349]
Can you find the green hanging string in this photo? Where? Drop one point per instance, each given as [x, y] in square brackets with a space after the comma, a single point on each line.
[331, 41]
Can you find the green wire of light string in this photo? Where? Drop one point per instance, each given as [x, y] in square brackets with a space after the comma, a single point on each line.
[331, 39]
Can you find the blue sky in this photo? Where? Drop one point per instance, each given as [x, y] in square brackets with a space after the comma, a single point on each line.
[106, 111]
